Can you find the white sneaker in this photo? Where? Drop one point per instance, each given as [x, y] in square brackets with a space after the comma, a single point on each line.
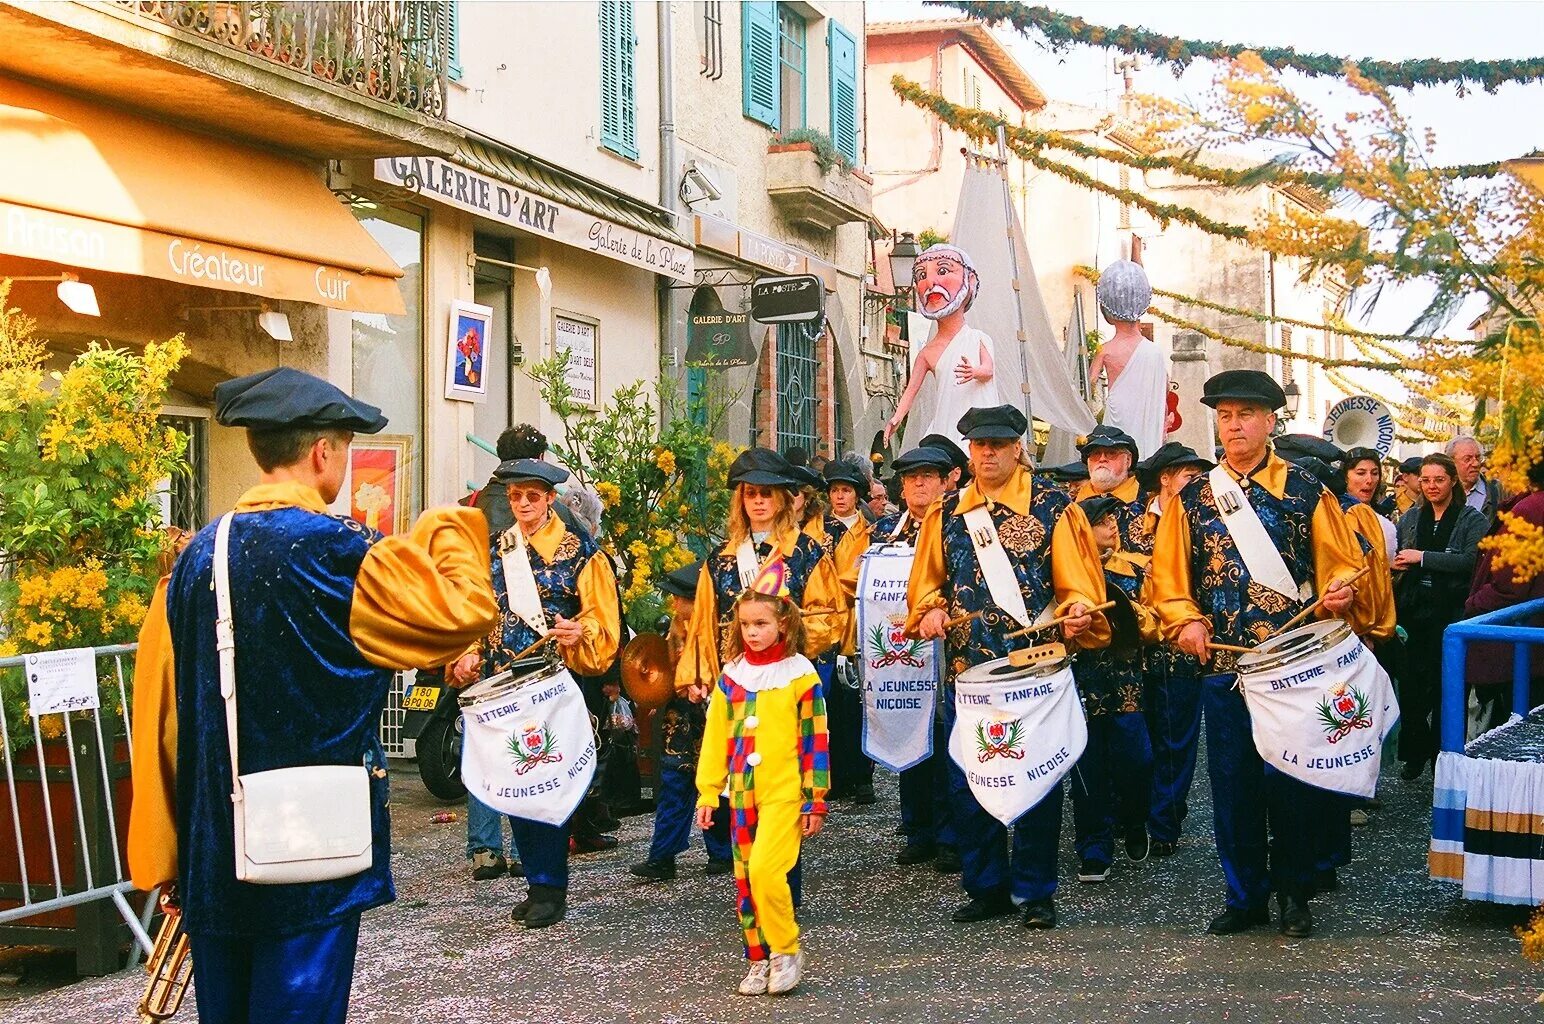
[787, 969]
[755, 983]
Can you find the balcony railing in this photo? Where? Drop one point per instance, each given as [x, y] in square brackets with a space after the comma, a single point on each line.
[390, 50]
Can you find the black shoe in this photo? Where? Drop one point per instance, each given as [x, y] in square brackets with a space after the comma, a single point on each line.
[948, 861]
[592, 844]
[1237, 919]
[655, 870]
[1039, 914]
[1159, 848]
[1138, 846]
[487, 865]
[984, 908]
[519, 910]
[1327, 880]
[516, 869]
[718, 867]
[1093, 871]
[549, 905]
[864, 795]
[840, 793]
[1412, 770]
[1296, 922]
[915, 853]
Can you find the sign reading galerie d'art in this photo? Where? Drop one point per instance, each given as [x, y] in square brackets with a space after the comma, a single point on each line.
[466, 189]
[717, 338]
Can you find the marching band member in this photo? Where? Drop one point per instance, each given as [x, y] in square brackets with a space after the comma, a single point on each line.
[852, 774]
[1113, 781]
[809, 509]
[1173, 699]
[1055, 563]
[1217, 575]
[766, 740]
[959, 462]
[924, 787]
[549, 582]
[1110, 455]
[680, 723]
[324, 611]
[844, 482]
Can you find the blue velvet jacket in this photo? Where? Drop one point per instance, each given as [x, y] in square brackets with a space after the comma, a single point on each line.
[306, 695]
[557, 582]
[1109, 683]
[724, 571]
[885, 527]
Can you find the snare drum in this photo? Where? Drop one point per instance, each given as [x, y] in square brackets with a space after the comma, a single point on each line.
[1308, 643]
[524, 671]
[1003, 670]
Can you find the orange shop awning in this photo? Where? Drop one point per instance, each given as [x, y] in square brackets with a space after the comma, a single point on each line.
[97, 188]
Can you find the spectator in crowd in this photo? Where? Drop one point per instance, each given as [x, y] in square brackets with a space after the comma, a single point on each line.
[880, 502]
[1477, 492]
[521, 441]
[1407, 492]
[1496, 587]
[1438, 547]
[1363, 468]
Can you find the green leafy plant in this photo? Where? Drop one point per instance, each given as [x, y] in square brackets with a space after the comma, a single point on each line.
[826, 153]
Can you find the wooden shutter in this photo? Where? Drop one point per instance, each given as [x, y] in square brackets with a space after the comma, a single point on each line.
[762, 85]
[618, 92]
[843, 52]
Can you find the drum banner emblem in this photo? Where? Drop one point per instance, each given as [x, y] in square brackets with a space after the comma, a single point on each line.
[534, 746]
[888, 646]
[1343, 710]
[1000, 737]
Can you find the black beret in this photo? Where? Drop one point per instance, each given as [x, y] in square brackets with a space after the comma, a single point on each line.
[808, 477]
[286, 397]
[1072, 471]
[957, 456]
[1106, 436]
[1003, 422]
[925, 457]
[521, 471]
[1170, 455]
[763, 467]
[1411, 465]
[1099, 506]
[1294, 447]
[1243, 386]
[682, 582]
[1322, 471]
[840, 471]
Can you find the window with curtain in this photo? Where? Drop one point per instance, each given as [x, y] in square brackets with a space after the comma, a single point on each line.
[618, 80]
[790, 69]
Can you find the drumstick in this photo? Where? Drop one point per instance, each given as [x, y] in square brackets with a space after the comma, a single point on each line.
[967, 617]
[1300, 616]
[1056, 621]
[533, 647]
[1229, 647]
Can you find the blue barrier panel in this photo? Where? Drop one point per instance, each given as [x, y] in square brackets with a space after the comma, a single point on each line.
[1492, 626]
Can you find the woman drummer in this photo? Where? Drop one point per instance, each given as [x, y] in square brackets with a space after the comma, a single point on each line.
[762, 527]
[555, 583]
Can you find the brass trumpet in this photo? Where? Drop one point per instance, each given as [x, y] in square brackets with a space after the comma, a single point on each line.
[170, 965]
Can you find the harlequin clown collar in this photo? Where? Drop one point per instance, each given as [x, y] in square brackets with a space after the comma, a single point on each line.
[758, 677]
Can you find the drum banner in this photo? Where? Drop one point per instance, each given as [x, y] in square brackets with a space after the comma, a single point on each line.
[530, 751]
[900, 676]
[1323, 719]
[1015, 739]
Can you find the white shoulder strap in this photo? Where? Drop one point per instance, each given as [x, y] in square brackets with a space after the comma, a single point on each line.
[1001, 581]
[1260, 554]
[225, 644]
[520, 583]
[900, 526]
[745, 560]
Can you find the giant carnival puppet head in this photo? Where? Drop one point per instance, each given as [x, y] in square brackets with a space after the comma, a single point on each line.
[945, 281]
[1123, 292]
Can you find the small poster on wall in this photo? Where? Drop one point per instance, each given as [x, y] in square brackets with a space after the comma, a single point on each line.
[577, 335]
[378, 482]
[466, 355]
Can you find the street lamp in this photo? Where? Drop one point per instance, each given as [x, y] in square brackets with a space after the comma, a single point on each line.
[903, 257]
[1294, 398]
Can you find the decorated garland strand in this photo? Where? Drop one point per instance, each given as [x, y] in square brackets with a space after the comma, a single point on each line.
[1175, 320]
[982, 125]
[1062, 31]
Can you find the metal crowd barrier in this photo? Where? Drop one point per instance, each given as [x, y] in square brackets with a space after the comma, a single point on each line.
[1500, 626]
[59, 805]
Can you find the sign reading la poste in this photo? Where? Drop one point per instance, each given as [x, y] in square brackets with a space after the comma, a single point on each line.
[466, 189]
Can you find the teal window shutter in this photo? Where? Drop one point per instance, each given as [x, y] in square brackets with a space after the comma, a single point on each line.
[758, 31]
[453, 29]
[843, 51]
[618, 92]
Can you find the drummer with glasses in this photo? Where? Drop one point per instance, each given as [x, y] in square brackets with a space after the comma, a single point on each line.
[550, 582]
[1239, 552]
[1055, 563]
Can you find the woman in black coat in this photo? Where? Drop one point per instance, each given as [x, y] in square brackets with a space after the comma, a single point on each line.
[1438, 546]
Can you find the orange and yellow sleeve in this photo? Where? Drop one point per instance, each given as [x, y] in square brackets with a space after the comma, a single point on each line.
[1077, 575]
[925, 589]
[826, 608]
[699, 653]
[1337, 556]
[153, 813]
[1173, 599]
[601, 616]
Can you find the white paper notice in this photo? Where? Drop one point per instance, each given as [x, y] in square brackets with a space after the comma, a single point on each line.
[62, 681]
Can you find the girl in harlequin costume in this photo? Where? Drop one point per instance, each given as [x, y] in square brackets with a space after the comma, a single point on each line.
[766, 739]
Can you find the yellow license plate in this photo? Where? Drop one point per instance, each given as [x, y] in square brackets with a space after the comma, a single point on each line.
[421, 698]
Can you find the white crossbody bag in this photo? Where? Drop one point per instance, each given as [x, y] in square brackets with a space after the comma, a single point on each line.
[304, 824]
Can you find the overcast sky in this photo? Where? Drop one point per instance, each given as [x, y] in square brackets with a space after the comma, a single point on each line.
[1477, 127]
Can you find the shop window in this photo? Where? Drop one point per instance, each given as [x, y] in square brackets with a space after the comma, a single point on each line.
[790, 69]
[842, 50]
[618, 93]
[388, 351]
[798, 393]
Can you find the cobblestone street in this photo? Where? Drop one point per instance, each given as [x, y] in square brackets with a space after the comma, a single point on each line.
[1393, 946]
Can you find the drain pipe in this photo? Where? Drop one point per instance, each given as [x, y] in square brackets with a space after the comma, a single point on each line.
[670, 356]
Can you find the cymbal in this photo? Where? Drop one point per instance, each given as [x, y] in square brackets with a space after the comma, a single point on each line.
[648, 677]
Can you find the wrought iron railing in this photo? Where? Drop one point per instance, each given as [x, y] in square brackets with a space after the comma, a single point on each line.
[390, 50]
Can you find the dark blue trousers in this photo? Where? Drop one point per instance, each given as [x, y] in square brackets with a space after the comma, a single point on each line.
[1267, 836]
[543, 851]
[675, 808]
[844, 711]
[1111, 784]
[1024, 869]
[1333, 818]
[1173, 710]
[925, 800]
[297, 979]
